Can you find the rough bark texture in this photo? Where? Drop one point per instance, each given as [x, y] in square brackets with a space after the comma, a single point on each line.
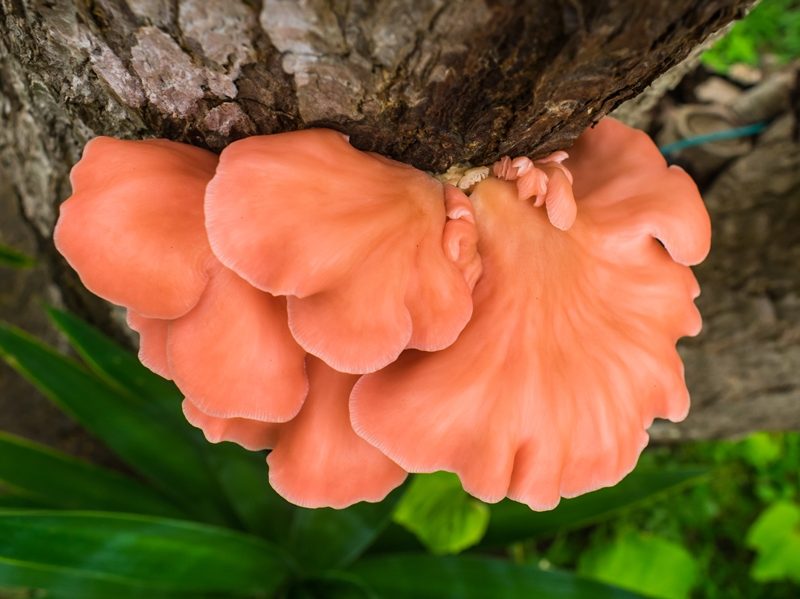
[430, 82]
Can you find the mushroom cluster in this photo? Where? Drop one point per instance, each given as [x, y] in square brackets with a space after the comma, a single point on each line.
[363, 319]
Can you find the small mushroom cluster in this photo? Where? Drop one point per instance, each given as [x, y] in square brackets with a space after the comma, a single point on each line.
[362, 319]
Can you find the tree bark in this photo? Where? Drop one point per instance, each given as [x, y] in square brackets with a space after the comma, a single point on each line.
[429, 82]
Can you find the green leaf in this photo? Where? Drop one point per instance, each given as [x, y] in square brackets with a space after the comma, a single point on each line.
[152, 445]
[326, 538]
[116, 365]
[770, 29]
[233, 468]
[243, 477]
[441, 514]
[59, 480]
[74, 552]
[472, 577]
[55, 583]
[14, 259]
[761, 449]
[511, 522]
[13, 498]
[775, 536]
[333, 584]
[646, 564]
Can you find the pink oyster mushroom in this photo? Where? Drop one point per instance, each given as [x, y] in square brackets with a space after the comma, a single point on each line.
[547, 181]
[539, 384]
[570, 353]
[362, 246]
[137, 209]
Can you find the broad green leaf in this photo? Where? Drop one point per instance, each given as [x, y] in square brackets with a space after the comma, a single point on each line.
[14, 258]
[761, 449]
[472, 577]
[152, 445]
[775, 536]
[59, 480]
[58, 583]
[243, 477]
[441, 514]
[116, 365]
[233, 467]
[325, 538]
[73, 552]
[511, 521]
[646, 564]
[14, 498]
[331, 585]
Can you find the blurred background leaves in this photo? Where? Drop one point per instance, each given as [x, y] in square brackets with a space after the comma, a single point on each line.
[776, 538]
[652, 565]
[772, 28]
[12, 258]
[442, 516]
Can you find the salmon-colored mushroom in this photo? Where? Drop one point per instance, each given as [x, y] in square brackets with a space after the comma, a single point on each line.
[547, 180]
[133, 227]
[250, 434]
[233, 354]
[134, 231]
[136, 236]
[570, 353]
[522, 337]
[317, 460]
[361, 245]
[152, 342]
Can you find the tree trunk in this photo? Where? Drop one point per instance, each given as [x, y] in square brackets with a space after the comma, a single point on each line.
[429, 82]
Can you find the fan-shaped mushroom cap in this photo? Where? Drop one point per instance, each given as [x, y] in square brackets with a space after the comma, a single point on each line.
[133, 227]
[570, 353]
[134, 230]
[354, 239]
[318, 460]
[233, 353]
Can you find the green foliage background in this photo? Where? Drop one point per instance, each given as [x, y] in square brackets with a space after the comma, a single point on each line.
[713, 534]
[771, 28]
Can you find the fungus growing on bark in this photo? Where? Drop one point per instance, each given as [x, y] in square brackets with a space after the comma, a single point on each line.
[136, 216]
[137, 248]
[356, 242]
[537, 318]
[570, 353]
[134, 231]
